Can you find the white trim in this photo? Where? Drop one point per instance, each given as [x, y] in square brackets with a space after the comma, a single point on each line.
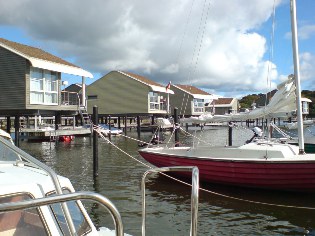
[154, 88]
[48, 65]
[201, 96]
[198, 96]
[223, 105]
[306, 100]
[161, 89]
[59, 67]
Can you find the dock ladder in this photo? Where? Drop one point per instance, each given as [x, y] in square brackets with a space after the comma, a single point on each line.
[85, 116]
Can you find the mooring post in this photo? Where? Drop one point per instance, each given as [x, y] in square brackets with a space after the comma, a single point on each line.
[176, 124]
[109, 127]
[138, 127]
[119, 126]
[8, 125]
[95, 142]
[230, 133]
[17, 128]
[125, 124]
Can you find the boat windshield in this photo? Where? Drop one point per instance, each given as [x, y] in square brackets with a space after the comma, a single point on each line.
[21, 222]
[80, 223]
[6, 153]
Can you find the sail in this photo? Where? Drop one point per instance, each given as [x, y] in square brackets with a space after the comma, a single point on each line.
[282, 101]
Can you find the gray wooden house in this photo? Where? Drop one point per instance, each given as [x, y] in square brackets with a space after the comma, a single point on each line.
[190, 100]
[30, 81]
[122, 93]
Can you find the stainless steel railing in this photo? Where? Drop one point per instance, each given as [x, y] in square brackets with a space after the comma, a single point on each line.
[106, 203]
[194, 194]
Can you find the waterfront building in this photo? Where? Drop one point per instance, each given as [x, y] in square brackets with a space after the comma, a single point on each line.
[30, 82]
[123, 93]
[190, 100]
[225, 106]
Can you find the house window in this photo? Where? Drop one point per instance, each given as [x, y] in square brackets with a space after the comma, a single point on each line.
[305, 107]
[43, 87]
[198, 105]
[154, 101]
[92, 97]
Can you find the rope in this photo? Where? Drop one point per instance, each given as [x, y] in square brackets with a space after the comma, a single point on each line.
[189, 134]
[98, 130]
[310, 131]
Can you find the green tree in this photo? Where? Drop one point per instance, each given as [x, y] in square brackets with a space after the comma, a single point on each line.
[247, 101]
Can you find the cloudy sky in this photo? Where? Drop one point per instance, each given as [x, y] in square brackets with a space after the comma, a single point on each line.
[226, 47]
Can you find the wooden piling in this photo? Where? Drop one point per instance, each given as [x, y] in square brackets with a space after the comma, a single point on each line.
[95, 143]
[138, 127]
[109, 127]
[230, 134]
[8, 124]
[176, 125]
[125, 124]
[17, 129]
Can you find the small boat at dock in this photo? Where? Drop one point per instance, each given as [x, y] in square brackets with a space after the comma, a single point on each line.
[34, 200]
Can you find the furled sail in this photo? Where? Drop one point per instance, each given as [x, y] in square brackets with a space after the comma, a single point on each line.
[283, 101]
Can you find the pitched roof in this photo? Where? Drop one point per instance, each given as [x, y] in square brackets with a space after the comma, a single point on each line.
[35, 52]
[156, 87]
[74, 88]
[224, 101]
[141, 78]
[192, 89]
[44, 60]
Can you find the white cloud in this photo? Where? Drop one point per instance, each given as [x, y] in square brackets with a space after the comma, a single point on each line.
[158, 39]
[304, 32]
[307, 66]
[170, 69]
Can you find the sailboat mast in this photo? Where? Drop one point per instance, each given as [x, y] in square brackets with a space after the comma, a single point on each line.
[297, 76]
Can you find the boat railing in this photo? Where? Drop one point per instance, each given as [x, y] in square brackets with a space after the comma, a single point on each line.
[103, 201]
[194, 194]
[37, 164]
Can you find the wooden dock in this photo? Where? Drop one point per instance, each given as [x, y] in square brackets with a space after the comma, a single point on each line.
[46, 134]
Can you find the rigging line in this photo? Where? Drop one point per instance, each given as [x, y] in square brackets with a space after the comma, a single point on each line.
[202, 189]
[194, 52]
[310, 131]
[200, 140]
[185, 32]
[280, 131]
[271, 44]
[200, 46]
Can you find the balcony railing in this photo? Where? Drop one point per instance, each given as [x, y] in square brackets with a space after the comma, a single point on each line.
[70, 98]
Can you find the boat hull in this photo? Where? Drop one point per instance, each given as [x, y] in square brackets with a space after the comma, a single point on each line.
[279, 175]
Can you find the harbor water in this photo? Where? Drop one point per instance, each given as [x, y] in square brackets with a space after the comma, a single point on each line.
[221, 211]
